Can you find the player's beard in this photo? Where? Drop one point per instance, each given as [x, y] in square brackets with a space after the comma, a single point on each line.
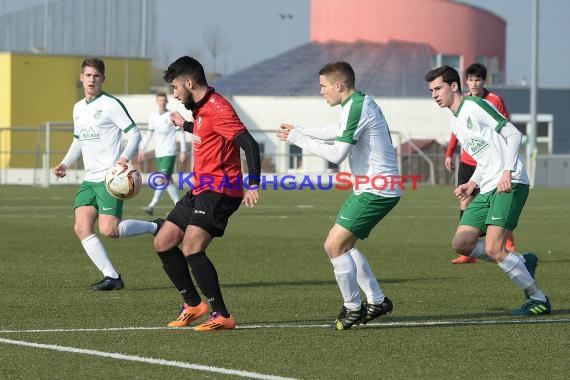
[189, 102]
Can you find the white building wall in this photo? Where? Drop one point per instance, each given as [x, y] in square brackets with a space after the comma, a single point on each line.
[407, 118]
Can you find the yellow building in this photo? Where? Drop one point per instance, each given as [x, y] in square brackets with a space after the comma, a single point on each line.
[35, 89]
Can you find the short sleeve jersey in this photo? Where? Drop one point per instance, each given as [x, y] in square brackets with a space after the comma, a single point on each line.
[164, 134]
[363, 125]
[217, 163]
[477, 126]
[98, 124]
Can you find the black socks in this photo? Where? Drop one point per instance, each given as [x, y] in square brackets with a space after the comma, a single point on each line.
[176, 268]
[207, 279]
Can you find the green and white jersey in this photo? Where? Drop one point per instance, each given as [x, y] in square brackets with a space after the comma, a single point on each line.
[98, 124]
[363, 125]
[164, 133]
[477, 125]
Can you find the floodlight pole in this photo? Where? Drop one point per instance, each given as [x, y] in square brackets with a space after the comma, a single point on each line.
[144, 18]
[531, 133]
[47, 30]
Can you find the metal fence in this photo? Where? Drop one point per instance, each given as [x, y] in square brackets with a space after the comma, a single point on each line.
[28, 154]
[36, 150]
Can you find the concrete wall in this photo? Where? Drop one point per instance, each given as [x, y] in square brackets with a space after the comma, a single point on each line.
[553, 172]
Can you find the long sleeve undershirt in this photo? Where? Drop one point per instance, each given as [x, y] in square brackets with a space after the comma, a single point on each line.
[251, 148]
[328, 133]
[134, 139]
[514, 138]
[335, 153]
[73, 153]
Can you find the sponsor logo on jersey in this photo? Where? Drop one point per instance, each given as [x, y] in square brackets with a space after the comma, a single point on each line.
[88, 134]
[196, 140]
[476, 146]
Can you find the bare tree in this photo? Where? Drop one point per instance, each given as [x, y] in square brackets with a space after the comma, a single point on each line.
[216, 45]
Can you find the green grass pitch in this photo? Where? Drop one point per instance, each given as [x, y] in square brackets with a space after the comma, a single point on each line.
[449, 321]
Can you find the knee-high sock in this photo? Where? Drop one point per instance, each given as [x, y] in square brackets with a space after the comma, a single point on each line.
[207, 279]
[173, 193]
[345, 273]
[97, 253]
[176, 268]
[366, 278]
[513, 266]
[479, 252]
[133, 227]
[156, 197]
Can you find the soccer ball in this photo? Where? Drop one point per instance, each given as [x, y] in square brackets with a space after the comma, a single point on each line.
[123, 181]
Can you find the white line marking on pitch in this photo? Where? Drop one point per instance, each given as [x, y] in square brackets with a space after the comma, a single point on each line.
[140, 359]
[456, 322]
[416, 324]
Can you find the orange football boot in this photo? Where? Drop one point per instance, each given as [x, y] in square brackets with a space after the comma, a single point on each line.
[464, 260]
[510, 243]
[217, 322]
[189, 314]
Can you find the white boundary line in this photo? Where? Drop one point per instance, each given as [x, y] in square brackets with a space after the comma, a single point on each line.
[252, 375]
[456, 322]
[414, 323]
[140, 359]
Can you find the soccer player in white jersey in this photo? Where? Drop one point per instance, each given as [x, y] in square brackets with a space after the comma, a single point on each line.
[99, 120]
[493, 142]
[164, 133]
[363, 136]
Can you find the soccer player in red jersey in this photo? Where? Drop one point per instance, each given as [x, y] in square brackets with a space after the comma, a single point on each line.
[216, 193]
[476, 77]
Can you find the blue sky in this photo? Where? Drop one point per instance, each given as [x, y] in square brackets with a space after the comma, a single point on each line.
[554, 50]
[253, 30]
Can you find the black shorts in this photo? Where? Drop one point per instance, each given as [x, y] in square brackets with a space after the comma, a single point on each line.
[464, 174]
[208, 210]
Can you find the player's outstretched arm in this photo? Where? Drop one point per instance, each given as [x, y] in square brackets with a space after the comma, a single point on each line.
[71, 156]
[284, 131]
[335, 153]
[328, 133]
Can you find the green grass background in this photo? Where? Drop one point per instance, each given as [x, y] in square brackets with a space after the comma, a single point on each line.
[273, 270]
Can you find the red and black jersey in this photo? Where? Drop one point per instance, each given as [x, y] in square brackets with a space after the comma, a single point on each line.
[217, 163]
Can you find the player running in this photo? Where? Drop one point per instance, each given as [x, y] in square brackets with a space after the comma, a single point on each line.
[99, 120]
[494, 143]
